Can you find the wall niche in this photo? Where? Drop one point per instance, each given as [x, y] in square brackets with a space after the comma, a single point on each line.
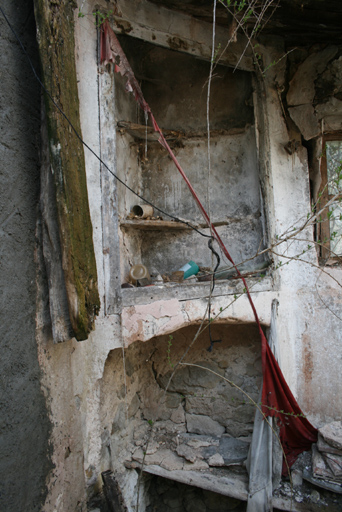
[175, 86]
[202, 423]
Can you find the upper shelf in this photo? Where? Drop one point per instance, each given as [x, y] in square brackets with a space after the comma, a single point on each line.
[143, 132]
[155, 225]
[152, 225]
[140, 131]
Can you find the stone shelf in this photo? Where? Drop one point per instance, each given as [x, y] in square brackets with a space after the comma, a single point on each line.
[225, 482]
[155, 225]
[190, 290]
[141, 132]
[221, 481]
[152, 225]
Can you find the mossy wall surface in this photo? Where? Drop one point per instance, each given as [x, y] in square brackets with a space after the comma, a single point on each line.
[55, 34]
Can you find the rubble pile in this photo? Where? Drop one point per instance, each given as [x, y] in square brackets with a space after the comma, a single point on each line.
[193, 452]
[327, 453]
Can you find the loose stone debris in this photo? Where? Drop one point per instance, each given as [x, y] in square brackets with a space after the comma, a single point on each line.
[327, 456]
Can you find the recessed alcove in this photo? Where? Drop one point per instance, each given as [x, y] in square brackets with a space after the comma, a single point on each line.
[175, 86]
[202, 423]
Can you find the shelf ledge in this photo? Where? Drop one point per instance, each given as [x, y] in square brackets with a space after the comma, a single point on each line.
[153, 225]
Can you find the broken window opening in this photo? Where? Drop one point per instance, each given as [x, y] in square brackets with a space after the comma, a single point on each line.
[330, 222]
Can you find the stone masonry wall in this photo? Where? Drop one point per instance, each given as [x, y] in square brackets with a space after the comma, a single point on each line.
[199, 406]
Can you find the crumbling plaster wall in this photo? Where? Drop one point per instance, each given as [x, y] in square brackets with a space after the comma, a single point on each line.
[72, 371]
[77, 375]
[144, 321]
[309, 335]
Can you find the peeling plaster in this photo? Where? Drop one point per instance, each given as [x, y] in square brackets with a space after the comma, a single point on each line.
[142, 322]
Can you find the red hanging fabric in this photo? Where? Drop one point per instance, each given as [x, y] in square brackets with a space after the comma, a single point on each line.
[296, 432]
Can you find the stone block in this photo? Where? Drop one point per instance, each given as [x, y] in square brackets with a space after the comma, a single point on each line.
[171, 461]
[332, 434]
[232, 451]
[187, 452]
[178, 415]
[173, 400]
[119, 422]
[239, 429]
[198, 424]
[169, 427]
[141, 431]
[217, 451]
[330, 82]
[234, 377]
[254, 370]
[198, 465]
[335, 464]
[302, 85]
[244, 413]
[154, 458]
[325, 447]
[152, 447]
[133, 406]
[163, 457]
[216, 460]
[297, 477]
[187, 378]
[216, 408]
[198, 441]
[231, 394]
[319, 466]
[332, 107]
[333, 123]
[306, 121]
[152, 404]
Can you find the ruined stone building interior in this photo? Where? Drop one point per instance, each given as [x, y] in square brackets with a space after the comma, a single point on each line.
[156, 407]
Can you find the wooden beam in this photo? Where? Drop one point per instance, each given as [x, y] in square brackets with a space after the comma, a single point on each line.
[177, 31]
[55, 34]
[111, 242]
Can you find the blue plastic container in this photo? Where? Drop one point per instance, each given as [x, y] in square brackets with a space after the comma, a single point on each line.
[190, 269]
